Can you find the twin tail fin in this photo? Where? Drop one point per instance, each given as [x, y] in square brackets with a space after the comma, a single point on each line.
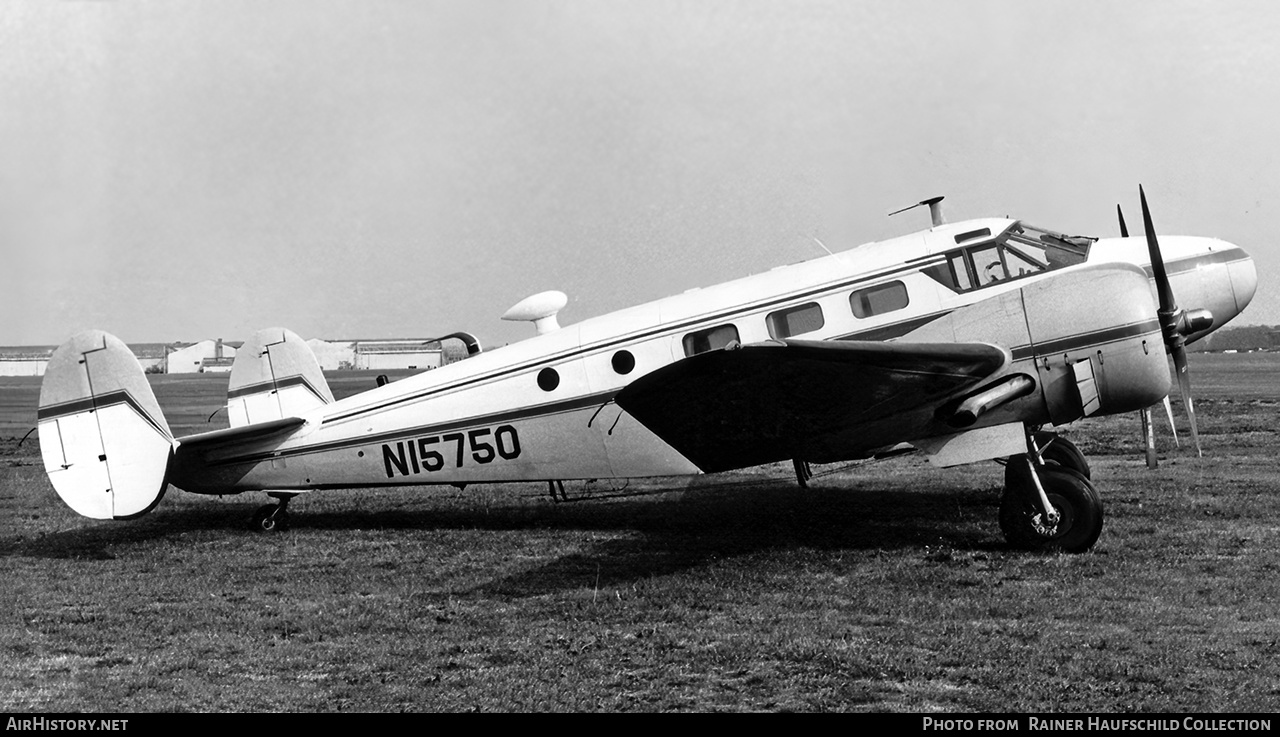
[275, 376]
[106, 447]
[105, 444]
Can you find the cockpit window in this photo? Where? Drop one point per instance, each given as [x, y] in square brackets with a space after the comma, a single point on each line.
[1056, 250]
[1020, 251]
[989, 264]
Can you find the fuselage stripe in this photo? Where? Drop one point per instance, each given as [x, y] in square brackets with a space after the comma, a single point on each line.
[1092, 338]
[89, 404]
[263, 387]
[541, 410]
[1065, 344]
[1191, 263]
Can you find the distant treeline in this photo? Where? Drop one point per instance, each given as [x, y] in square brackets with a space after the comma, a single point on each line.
[1245, 338]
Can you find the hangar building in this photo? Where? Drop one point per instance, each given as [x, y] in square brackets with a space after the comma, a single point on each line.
[207, 355]
[25, 360]
[216, 355]
[376, 355]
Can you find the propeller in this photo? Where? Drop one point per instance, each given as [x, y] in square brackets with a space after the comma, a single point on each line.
[1173, 320]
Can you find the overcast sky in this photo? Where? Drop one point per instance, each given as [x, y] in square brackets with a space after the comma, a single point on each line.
[184, 170]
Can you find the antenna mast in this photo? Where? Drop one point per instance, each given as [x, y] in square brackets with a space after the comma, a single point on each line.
[935, 209]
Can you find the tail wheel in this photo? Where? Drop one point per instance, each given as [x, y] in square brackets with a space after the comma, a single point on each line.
[270, 518]
[1078, 505]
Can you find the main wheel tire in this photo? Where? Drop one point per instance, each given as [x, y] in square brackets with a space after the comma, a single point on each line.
[1072, 495]
[1057, 450]
[1061, 454]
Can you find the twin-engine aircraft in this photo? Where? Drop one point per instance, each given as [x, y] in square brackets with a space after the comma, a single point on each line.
[962, 341]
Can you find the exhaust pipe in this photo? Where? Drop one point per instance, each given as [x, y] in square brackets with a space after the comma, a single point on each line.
[976, 405]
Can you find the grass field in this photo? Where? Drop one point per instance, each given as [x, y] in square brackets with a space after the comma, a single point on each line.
[887, 586]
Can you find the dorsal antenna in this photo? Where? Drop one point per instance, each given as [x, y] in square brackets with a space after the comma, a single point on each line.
[821, 245]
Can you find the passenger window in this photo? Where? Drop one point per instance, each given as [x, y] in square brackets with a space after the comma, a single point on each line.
[879, 299]
[710, 339]
[794, 321]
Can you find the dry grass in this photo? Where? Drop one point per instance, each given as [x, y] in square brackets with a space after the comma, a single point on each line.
[886, 587]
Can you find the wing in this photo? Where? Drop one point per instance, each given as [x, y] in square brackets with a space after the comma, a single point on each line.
[812, 400]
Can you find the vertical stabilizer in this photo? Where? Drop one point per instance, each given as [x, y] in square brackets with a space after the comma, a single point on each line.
[275, 376]
[104, 441]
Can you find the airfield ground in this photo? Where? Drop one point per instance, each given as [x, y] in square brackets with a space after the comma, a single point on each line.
[887, 586]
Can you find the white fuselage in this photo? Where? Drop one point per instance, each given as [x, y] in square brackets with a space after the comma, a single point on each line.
[542, 408]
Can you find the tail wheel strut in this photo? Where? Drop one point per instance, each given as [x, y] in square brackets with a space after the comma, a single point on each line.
[272, 517]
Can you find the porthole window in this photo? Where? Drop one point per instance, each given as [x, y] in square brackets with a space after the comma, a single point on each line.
[623, 362]
[794, 321]
[879, 299]
[548, 379]
[710, 339]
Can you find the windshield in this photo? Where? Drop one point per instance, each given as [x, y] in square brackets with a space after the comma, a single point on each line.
[1020, 251]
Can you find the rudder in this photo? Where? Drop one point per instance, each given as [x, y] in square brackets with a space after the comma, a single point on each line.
[105, 443]
[275, 376]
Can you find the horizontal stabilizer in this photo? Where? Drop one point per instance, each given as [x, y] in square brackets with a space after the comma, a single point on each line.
[275, 375]
[104, 441]
[235, 435]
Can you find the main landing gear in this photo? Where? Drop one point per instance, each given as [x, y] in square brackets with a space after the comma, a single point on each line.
[804, 472]
[1049, 503]
[272, 517]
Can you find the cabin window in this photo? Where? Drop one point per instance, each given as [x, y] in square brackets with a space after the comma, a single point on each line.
[710, 339]
[879, 299]
[548, 379]
[794, 321]
[623, 362]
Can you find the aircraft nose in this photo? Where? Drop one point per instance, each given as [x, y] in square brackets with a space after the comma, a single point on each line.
[1244, 281]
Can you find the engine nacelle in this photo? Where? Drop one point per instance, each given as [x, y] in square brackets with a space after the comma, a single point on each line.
[1090, 338]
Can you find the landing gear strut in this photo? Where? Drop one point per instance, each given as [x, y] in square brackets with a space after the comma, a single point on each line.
[272, 517]
[803, 472]
[1056, 450]
[557, 491]
[1049, 503]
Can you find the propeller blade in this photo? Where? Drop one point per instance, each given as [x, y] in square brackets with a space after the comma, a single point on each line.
[1184, 383]
[1124, 232]
[1168, 410]
[1167, 303]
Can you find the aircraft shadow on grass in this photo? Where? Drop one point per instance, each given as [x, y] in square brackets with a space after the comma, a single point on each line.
[663, 532]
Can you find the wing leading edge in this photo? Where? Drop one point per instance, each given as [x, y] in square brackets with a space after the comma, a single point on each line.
[811, 400]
